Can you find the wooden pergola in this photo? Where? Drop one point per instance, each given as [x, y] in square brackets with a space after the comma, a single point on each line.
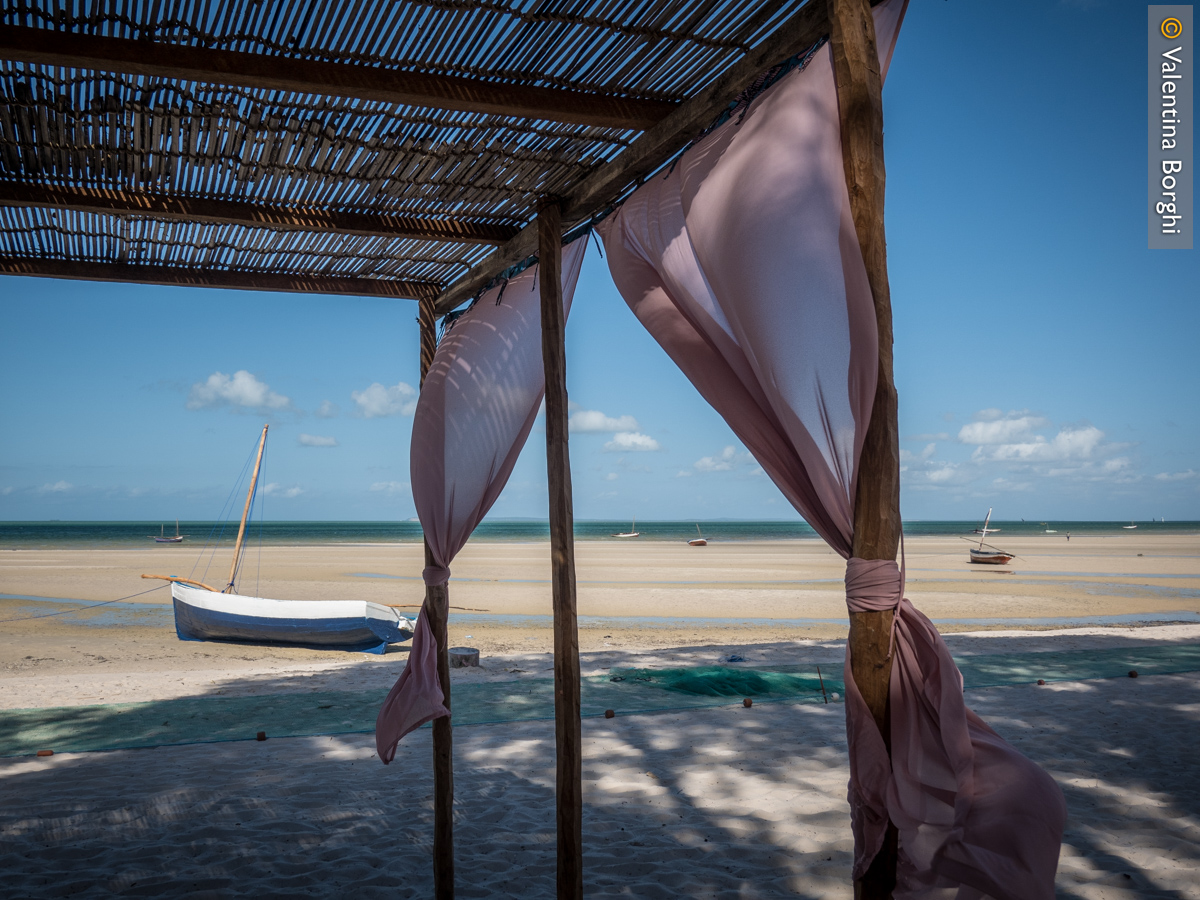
[415, 149]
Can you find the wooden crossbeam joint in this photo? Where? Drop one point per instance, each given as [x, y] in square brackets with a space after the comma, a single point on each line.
[654, 148]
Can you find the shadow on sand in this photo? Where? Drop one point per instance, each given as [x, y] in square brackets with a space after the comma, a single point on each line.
[717, 803]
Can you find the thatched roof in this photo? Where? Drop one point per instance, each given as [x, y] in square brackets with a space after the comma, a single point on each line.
[386, 147]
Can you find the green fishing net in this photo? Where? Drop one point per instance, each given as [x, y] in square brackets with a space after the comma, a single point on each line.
[192, 720]
[725, 682]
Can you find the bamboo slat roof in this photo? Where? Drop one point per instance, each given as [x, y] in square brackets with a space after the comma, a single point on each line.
[379, 146]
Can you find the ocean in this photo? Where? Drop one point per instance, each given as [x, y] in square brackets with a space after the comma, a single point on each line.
[55, 534]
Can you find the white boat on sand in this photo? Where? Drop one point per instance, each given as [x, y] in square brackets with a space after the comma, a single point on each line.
[203, 613]
[698, 541]
[991, 555]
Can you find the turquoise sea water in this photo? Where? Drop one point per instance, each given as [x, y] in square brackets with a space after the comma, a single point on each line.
[128, 534]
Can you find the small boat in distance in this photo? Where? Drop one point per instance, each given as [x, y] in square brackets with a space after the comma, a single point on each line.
[164, 538]
[204, 613]
[1130, 526]
[698, 541]
[632, 532]
[992, 555]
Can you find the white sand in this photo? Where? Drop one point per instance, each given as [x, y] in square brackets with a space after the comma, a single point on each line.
[727, 802]
[721, 803]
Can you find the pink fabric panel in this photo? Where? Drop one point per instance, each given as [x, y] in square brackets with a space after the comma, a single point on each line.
[743, 262]
[476, 409]
[415, 699]
[973, 814]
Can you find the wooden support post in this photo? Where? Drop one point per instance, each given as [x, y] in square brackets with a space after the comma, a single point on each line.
[567, 736]
[877, 500]
[437, 610]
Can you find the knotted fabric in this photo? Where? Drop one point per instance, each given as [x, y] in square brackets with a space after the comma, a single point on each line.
[972, 813]
[743, 263]
[477, 406]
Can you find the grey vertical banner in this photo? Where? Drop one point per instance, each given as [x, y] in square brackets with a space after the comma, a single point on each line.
[1171, 62]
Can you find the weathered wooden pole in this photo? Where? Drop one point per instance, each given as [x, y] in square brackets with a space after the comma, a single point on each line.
[567, 736]
[877, 501]
[436, 610]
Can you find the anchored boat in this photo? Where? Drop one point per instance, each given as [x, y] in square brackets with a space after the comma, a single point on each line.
[203, 613]
[991, 555]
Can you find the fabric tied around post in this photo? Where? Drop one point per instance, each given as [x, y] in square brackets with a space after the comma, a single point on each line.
[435, 575]
[976, 819]
[477, 407]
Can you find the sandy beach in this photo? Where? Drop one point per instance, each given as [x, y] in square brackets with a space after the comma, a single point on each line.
[718, 802]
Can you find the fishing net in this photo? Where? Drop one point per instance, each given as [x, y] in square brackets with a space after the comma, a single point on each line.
[724, 682]
[193, 720]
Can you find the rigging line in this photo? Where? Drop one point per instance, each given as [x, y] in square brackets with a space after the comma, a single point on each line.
[262, 509]
[65, 612]
[250, 518]
[226, 512]
[222, 517]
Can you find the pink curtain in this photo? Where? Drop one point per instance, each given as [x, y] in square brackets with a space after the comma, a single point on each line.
[476, 409]
[743, 263]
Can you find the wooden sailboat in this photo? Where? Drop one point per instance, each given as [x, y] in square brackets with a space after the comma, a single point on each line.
[991, 555]
[632, 532]
[698, 541]
[203, 613]
[163, 538]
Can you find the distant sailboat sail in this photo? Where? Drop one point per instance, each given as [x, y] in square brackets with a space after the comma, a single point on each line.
[631, 533]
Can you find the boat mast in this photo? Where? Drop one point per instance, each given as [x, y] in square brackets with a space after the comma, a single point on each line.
[237, 548]
[982, 537]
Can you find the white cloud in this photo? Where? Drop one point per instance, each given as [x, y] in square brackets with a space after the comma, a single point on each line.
[240, 389]
[611, 476]
[316, 440]
[631, 440]
[994, 428]
[377, 401]
[278, 490]
[1175, 476]
[931, 436]
[908, 457]
[721, 462]
[942, 473]
[390, 487]
[592, 421]
[5, 491]
[1071, 443]
[59, 487]
[327, 410]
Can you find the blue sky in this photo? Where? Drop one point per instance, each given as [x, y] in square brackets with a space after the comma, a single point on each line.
[1046, 361]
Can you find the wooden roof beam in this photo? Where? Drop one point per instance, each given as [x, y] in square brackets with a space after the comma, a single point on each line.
[653, 148]
[43, 46]
[137, 273]
[254, 215]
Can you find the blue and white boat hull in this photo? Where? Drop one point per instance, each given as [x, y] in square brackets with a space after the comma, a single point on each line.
[355, 625]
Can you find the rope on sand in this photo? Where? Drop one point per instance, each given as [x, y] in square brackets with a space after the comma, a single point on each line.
[65, 612]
